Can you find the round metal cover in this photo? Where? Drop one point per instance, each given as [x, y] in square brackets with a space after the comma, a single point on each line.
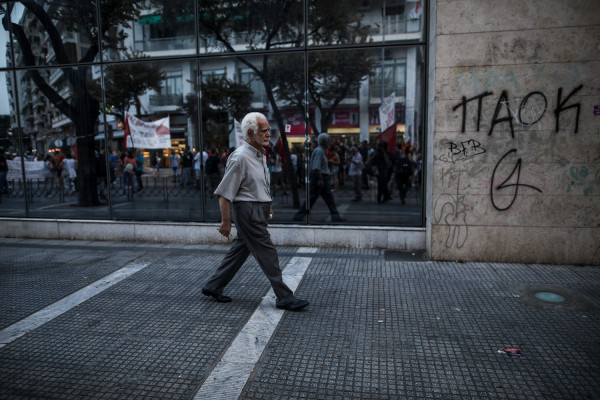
[551, 297]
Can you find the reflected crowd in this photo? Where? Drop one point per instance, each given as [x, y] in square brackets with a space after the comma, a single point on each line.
[357, 170]
[128, 111]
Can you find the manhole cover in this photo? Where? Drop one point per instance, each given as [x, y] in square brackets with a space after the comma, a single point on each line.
[552, 298]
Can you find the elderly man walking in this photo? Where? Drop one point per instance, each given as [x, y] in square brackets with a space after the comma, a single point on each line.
[246, 186]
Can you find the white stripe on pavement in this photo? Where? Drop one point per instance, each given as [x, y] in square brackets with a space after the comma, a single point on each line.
[228, 378]
[38, 319]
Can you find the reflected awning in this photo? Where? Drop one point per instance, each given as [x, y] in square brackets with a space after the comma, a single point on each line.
[116, 135]
[150, 19]
[157, 19]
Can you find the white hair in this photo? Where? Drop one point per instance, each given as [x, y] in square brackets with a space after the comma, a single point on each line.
[250, 122]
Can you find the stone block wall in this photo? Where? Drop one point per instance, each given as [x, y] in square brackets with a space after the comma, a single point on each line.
[514, 131]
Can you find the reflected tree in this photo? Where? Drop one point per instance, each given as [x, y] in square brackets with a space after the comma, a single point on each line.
[222, 99]
[279, 24]
[83, 108]
[260, 25]
[5, 140]
[125, 83]
[333, 77]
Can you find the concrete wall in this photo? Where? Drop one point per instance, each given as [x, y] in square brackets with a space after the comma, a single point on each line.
[407, 239]
[514, 139]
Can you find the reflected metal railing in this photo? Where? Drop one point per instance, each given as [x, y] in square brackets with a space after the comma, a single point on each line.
[152, 187]
[163, 192]
[164, 188]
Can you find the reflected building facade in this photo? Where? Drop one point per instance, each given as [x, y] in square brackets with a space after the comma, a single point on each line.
[311, 67]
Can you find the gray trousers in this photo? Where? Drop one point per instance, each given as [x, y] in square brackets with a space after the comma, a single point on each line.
[250, 220]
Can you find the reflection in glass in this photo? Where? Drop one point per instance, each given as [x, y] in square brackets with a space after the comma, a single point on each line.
[151, 142]
[353, 22]
[240, 85]
[55, 113]
[227, 26]
[4, 41]
[152, 72]
[71, 36]
[393, 79]
[249, 77]
[345, 101]
[167, 28]
[12, 186]
[170, 91]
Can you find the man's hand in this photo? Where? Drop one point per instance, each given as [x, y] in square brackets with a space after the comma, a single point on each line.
[225, 228]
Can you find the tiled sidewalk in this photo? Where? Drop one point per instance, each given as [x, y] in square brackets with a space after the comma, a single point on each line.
[375, 329]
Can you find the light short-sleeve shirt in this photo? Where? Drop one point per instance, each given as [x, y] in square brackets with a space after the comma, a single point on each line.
[355, 165]
[318, 160]
[246, 176]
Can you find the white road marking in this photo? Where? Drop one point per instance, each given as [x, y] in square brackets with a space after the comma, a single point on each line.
[38, 319]
[228, 378]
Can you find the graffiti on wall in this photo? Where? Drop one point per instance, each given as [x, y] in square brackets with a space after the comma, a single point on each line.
[583, 179]
[511, 184]
[466, 150]
[525, 112]
[450, 210]
[509, 177]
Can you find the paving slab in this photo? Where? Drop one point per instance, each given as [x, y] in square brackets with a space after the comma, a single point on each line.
[379, 326]
[35, 275]
[381, 330]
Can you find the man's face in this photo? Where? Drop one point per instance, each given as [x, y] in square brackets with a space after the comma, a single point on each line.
[260, 139]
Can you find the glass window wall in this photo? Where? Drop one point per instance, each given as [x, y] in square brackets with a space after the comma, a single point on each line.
[5, 48]
[58, 112]
[142, 130]
[240, 26]
[151, 140]
[155, 28]
[13, 179]
[367, 182]
[365, 21]
[54, 32]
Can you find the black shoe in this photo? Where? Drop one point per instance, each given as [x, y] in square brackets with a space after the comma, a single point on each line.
[295, 305]
[218, 297]
[338, 219]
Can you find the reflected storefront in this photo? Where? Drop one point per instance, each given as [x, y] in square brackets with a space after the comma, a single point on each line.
[353, 70]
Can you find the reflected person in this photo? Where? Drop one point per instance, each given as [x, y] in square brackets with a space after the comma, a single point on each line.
[320, 184]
